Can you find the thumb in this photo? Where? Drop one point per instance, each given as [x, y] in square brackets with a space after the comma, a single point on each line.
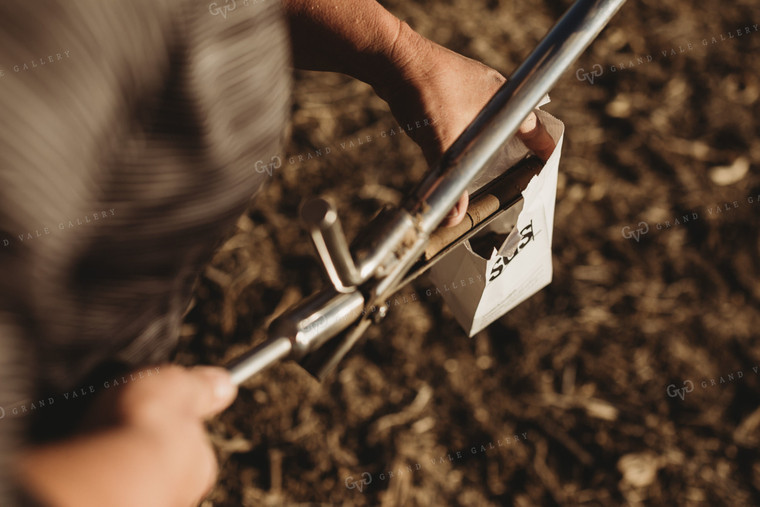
[214, 390]
[535, 137]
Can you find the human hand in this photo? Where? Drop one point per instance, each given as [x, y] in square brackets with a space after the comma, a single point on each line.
[435, 83]
[150, 449]
[419, 79]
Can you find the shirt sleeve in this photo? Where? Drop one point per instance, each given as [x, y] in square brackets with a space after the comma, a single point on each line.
[76, 76]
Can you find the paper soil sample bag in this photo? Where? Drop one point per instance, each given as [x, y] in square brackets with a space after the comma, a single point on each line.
[480, 289]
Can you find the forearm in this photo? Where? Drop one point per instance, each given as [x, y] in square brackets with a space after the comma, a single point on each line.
[419, 79]
[356, 37]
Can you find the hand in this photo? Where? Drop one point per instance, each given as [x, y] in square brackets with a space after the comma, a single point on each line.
[152, 451]
[449, 89]
[418, 78]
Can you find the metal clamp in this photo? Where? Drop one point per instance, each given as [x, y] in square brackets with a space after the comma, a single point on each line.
[321, 218]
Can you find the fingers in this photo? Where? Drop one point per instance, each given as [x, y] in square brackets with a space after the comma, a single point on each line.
[213, 390]
[457, 214]
[535, 137]
[198, 393]
[167, 410]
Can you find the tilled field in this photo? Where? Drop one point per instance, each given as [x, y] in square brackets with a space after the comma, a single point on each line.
[633, 378]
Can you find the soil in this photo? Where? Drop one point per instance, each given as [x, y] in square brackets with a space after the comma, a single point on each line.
[632, 379]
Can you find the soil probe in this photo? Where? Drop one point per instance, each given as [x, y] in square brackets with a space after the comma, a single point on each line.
[322, 328]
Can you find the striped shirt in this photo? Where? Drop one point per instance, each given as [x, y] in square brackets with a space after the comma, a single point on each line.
[129, 137]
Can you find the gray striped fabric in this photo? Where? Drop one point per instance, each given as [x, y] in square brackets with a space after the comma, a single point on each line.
[128, 137]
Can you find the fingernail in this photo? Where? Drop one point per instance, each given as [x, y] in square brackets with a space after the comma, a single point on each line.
[223, 387]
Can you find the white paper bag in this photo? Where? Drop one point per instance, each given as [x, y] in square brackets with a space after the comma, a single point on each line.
[479, 290]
